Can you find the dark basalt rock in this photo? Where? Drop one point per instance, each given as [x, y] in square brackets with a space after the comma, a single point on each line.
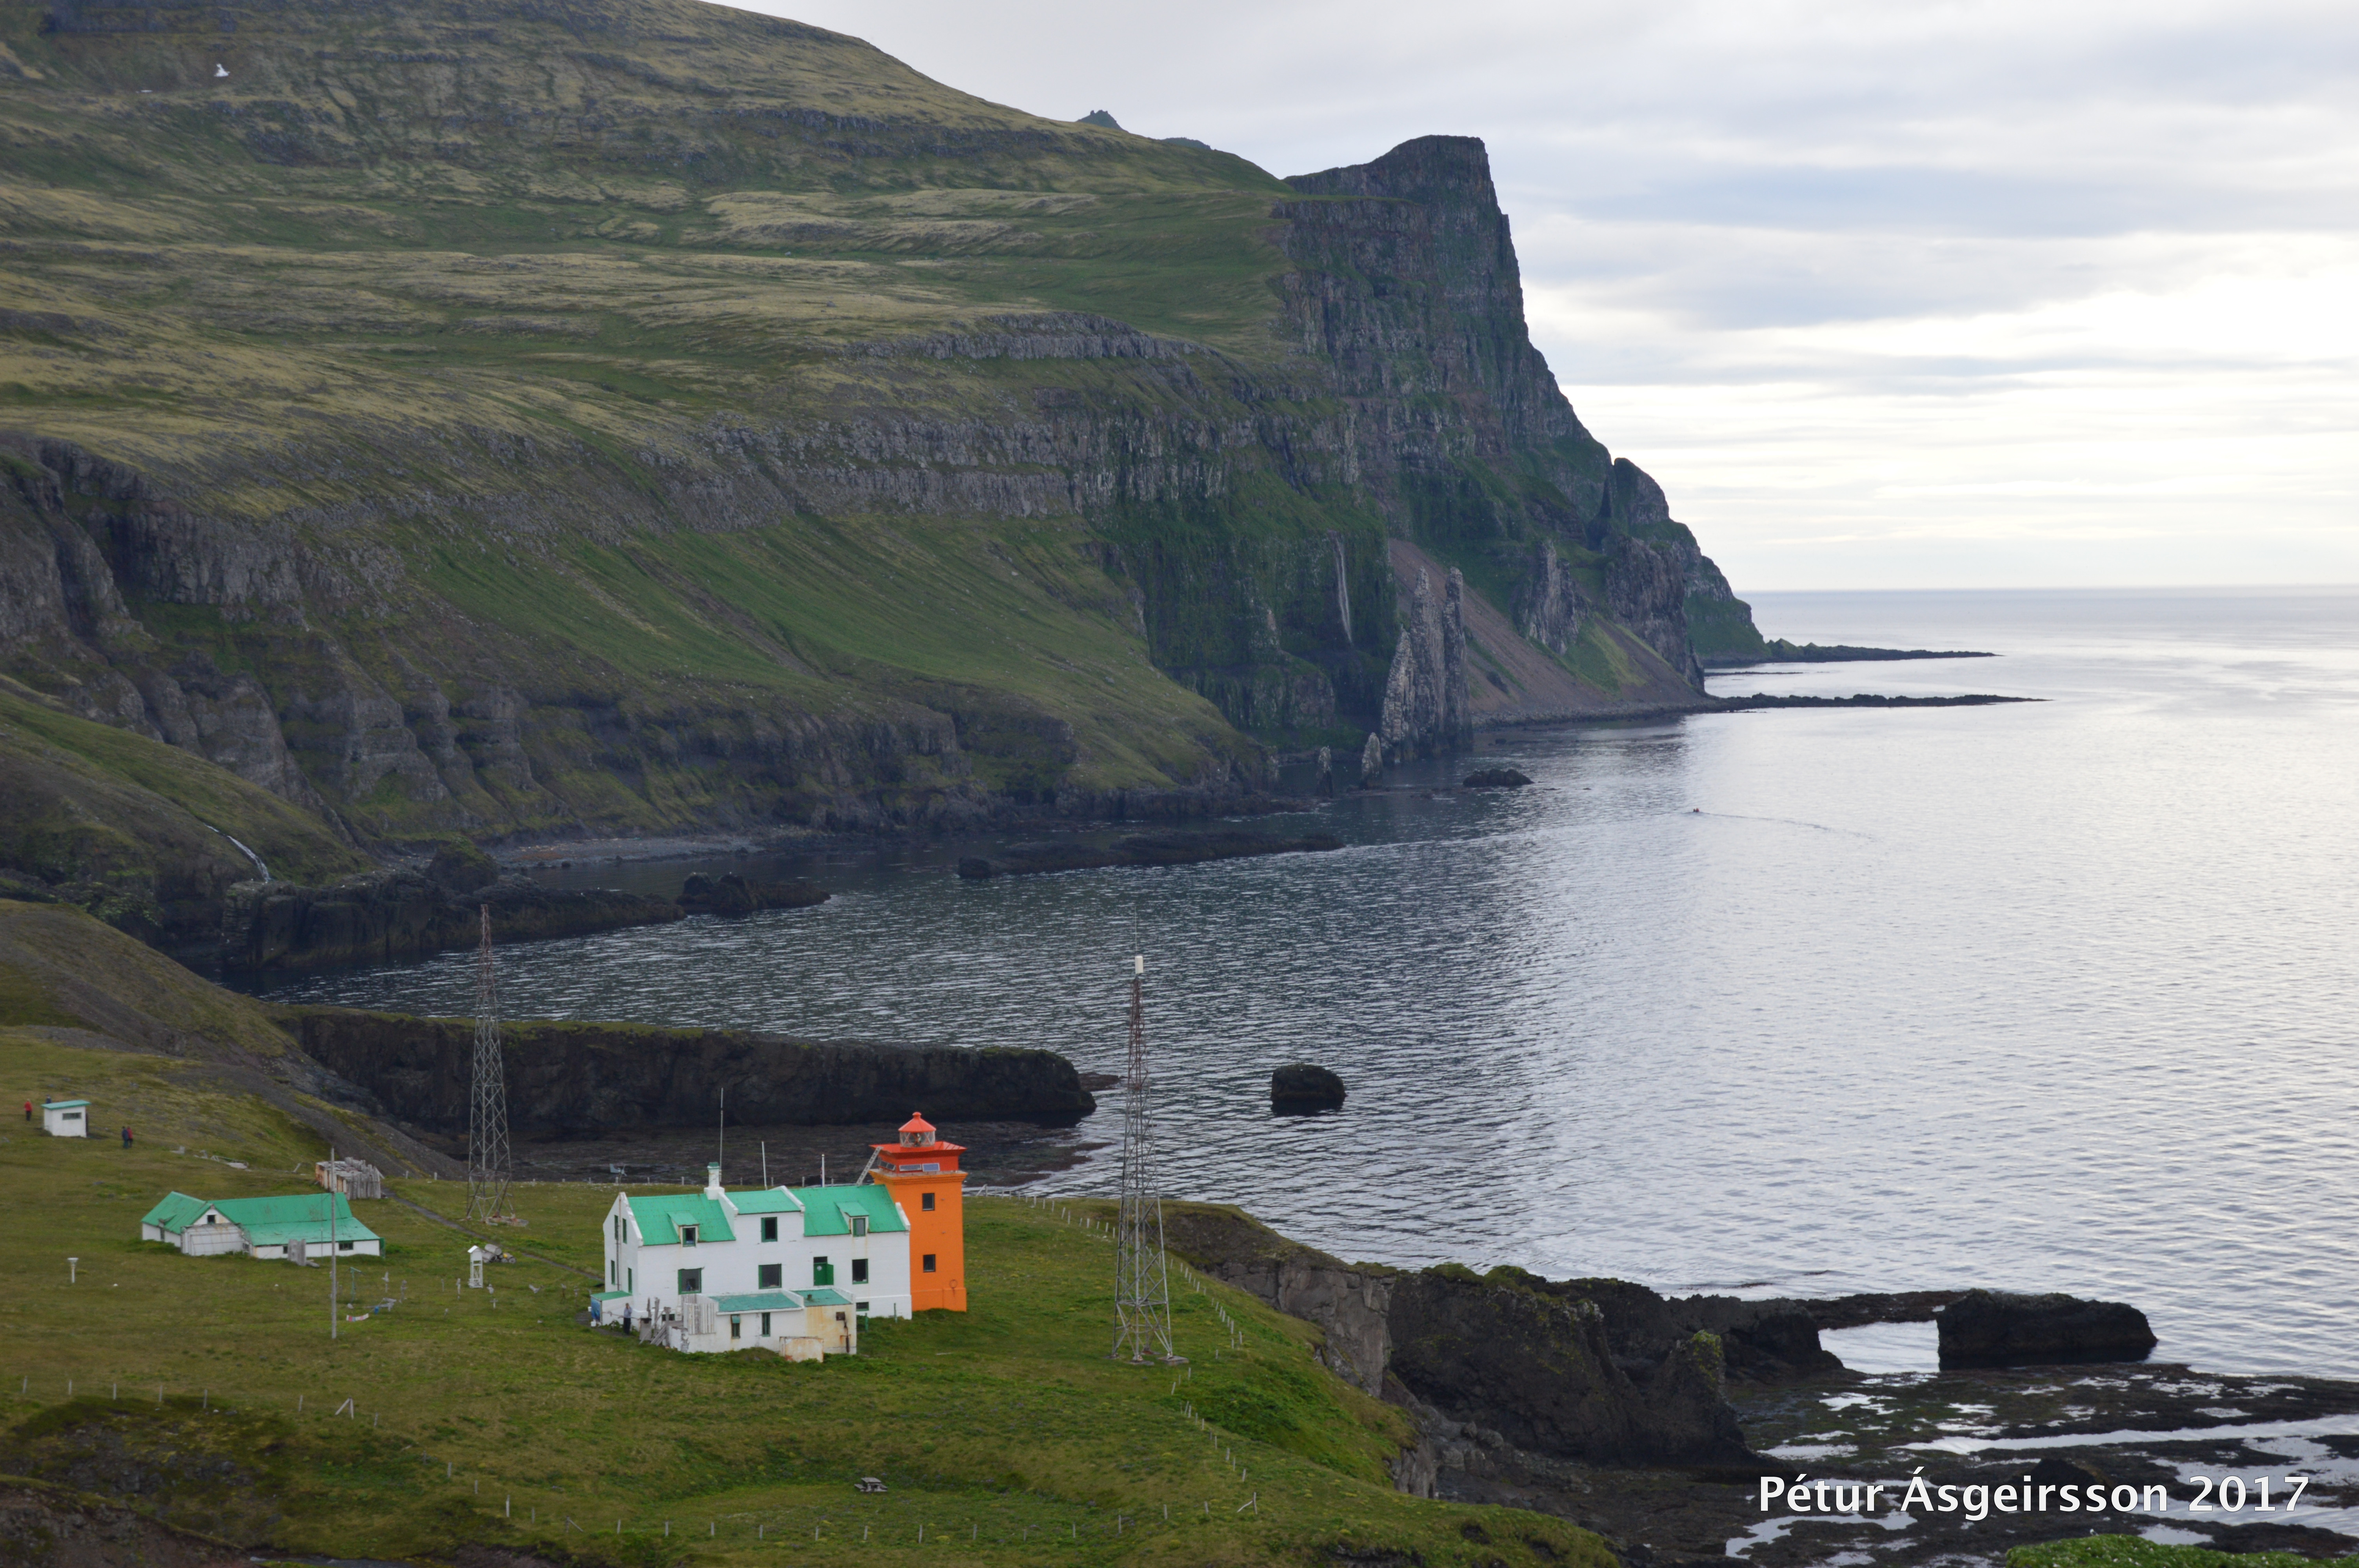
[1543, 1370]
[1140, 850]
[1497, 778]
[384, 915]
[2000, 1328]
[460, 868]
[733, 894]
[583, 1079]
[1301, 1086]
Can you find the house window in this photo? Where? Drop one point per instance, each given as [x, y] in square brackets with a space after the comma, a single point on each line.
[618, 1227]
[687, 1236]
[859, 1225]
[860, 1270]
[770, 1228]
[611, 1267]
[930, 1263]
[823, 1272]
[770, 1277]
[630, 1279]
[765, 1325]
[343, 1246]
[736, 1326]
[691, 1281]
[926, 1202]
[860, 1310]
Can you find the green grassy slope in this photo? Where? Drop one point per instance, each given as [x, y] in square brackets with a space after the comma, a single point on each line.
[137, 831]
[640, 414]
[1005, 1432]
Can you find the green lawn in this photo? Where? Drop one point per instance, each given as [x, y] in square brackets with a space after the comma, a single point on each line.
[493, 1416]
[2134, 1552]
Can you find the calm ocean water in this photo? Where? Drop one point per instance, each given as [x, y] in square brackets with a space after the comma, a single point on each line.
[2055, 996]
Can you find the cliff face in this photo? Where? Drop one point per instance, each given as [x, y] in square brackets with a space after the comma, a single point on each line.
[656, 418]
[578, 1079]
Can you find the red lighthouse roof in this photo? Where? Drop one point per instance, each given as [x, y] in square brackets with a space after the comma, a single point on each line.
[918, 1149]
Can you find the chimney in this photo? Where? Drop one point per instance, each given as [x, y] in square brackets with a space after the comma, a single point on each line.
[713, 1181]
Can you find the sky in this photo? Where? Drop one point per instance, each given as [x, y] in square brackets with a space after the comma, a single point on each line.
[1961, 294]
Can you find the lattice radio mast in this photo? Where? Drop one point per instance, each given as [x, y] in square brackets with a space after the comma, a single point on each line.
[1142, 1277]
[488, 1119]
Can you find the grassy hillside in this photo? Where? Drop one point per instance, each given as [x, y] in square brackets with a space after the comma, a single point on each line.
[1000, 1432]
[636, 415]
[137, 831]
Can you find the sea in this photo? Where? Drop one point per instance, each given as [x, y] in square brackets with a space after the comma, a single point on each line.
[2058, 995]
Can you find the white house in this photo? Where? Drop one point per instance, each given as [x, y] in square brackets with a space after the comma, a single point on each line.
[794, 1270]
[320, 1223]
[66, 1118]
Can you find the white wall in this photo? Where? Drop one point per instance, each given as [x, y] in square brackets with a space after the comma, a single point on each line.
[733, 1268]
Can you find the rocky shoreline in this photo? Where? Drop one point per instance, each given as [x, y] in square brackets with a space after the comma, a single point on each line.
[1684, 1429]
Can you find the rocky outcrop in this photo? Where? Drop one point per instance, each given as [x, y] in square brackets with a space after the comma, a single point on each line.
[1425, 709]
[68, 1527]
[380, 916]
[2001, 1328]
[1349, 1303]
[1540, 1369]
[730, 893]
[585, 1079]
[1595, 1371]
[1495, 778]
[1305, 1086]
[1548, 605]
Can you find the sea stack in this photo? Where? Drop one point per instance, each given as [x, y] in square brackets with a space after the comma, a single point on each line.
[1300, 1086]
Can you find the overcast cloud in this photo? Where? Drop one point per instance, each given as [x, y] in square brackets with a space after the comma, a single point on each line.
[1890, 295]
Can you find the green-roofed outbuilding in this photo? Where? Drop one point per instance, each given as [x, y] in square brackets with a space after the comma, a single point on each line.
[309, 1224]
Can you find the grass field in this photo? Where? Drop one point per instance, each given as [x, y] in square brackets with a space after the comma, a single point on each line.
[212, 1388]
[2132, 1551]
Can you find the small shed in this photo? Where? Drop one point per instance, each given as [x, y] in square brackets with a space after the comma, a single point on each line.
[66, 1118]
[354, 1178]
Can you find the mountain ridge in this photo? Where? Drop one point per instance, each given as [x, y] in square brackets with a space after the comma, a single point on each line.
[521, 421]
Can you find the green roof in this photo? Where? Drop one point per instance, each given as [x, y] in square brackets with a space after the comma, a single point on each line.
[827, 1211]
[765, 1301]
[659, 1218]
[176, 1212]
[827, 1298]
[607, 1295]
[61, 1104]
[267, 1222]
[766, 1200]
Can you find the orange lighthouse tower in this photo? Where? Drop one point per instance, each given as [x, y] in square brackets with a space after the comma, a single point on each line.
[922, 1173]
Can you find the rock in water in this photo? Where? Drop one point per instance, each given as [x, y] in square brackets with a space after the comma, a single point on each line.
[2000, 1328]
[1372, 762]
[733, 894]
[1300, 1085]
[1497, 778]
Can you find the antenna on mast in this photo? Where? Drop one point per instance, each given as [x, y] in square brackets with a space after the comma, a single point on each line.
[1142, 1276]
[488, 1117]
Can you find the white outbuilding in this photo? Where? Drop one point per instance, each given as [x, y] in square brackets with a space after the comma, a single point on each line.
[298, 1227]
[66, 1118]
